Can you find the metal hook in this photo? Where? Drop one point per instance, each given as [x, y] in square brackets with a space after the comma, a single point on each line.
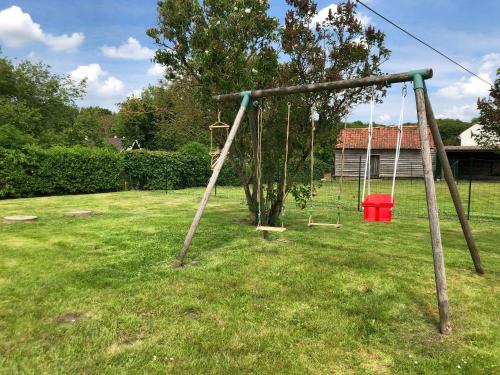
[404, 90]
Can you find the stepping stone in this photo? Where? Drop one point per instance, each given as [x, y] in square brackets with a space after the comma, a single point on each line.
[78, 213]
[19, 219]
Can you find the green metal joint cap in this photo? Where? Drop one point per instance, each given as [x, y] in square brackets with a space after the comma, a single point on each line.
[419, 76]
[246, 98]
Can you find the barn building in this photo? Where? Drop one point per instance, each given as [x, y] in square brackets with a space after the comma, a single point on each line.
[383, 152]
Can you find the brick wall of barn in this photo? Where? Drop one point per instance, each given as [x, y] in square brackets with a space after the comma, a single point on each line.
[410, 162]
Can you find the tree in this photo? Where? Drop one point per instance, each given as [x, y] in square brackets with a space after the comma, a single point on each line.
[12, 137]
[91, 127]
[36, 102]
[225, 46]
[450, 129]
[136, 120]
[179, 119]
[489, 109]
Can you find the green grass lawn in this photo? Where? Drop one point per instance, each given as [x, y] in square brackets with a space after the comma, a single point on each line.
[99, 295]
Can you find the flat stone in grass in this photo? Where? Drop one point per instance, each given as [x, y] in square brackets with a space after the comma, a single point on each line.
[19, 219]
[78, 213]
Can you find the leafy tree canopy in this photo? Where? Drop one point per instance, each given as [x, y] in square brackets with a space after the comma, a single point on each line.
[450, 129]
[91, 127]
[36, 102]
[489, 109]
[221, 46]
[164, 117]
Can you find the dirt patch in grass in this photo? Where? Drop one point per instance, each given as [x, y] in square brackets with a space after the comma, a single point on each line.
[192, 313]
[193, 263]
[73, 317]
[126, 342]
[376, 362]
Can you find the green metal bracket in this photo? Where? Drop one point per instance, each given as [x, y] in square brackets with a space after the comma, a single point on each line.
[246, 98]
[418, 78]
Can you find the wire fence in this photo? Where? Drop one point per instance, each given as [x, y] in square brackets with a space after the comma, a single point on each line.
[477, 182]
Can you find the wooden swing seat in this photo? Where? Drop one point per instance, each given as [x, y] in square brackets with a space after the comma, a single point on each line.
[270, 229]
[324, 225]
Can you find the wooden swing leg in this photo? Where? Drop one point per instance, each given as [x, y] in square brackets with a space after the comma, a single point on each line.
[448, 175]
[212, 182]
[432, 210]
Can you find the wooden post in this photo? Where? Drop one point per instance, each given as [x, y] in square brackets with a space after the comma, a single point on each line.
[452, 186]
[432, 210]
[212, 181]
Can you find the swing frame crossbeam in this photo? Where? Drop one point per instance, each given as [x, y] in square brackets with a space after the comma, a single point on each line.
[426, 119]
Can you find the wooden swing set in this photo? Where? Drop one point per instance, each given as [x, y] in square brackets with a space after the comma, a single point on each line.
[426, 119]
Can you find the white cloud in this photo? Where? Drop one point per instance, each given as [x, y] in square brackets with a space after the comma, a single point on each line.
[384, 118]
[323, 14]
[64, 42]
[97, 83]
[17, 29]
[132, 50]
[90, 72]
[463, 112]
[111, 86]
[135, 93]
[156, 70]
[473, 87]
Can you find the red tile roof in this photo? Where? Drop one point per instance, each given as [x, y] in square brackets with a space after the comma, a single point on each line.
[383, 138]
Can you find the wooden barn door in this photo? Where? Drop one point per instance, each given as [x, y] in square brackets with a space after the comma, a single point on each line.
[375, 166]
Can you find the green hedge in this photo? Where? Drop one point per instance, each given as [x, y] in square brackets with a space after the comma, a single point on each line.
[163, 170]
[35, 171]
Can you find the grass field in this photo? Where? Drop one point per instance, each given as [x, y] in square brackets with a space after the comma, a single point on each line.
[99, 295]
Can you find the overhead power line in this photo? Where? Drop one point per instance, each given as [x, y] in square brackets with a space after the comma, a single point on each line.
[424, 43]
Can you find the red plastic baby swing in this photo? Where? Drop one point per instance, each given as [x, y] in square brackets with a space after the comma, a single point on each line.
[378, 207]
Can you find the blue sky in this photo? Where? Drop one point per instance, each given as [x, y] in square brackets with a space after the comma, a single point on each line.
[106, 42]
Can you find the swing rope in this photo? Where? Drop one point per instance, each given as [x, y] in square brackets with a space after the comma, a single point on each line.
[311, 222]
[260, 115]
[366, 177]
[285, 170]
[399, 140]
[260, 121]
[311, 185]
[341, 181]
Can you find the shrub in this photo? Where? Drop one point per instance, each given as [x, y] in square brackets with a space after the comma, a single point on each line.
[153, 170]
[35, 171]
[162, 170]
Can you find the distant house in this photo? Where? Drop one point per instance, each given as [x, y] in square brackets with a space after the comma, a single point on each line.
[117, 143]
[135, 146]
[471, 161]
[467, 136]
[383, 152]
